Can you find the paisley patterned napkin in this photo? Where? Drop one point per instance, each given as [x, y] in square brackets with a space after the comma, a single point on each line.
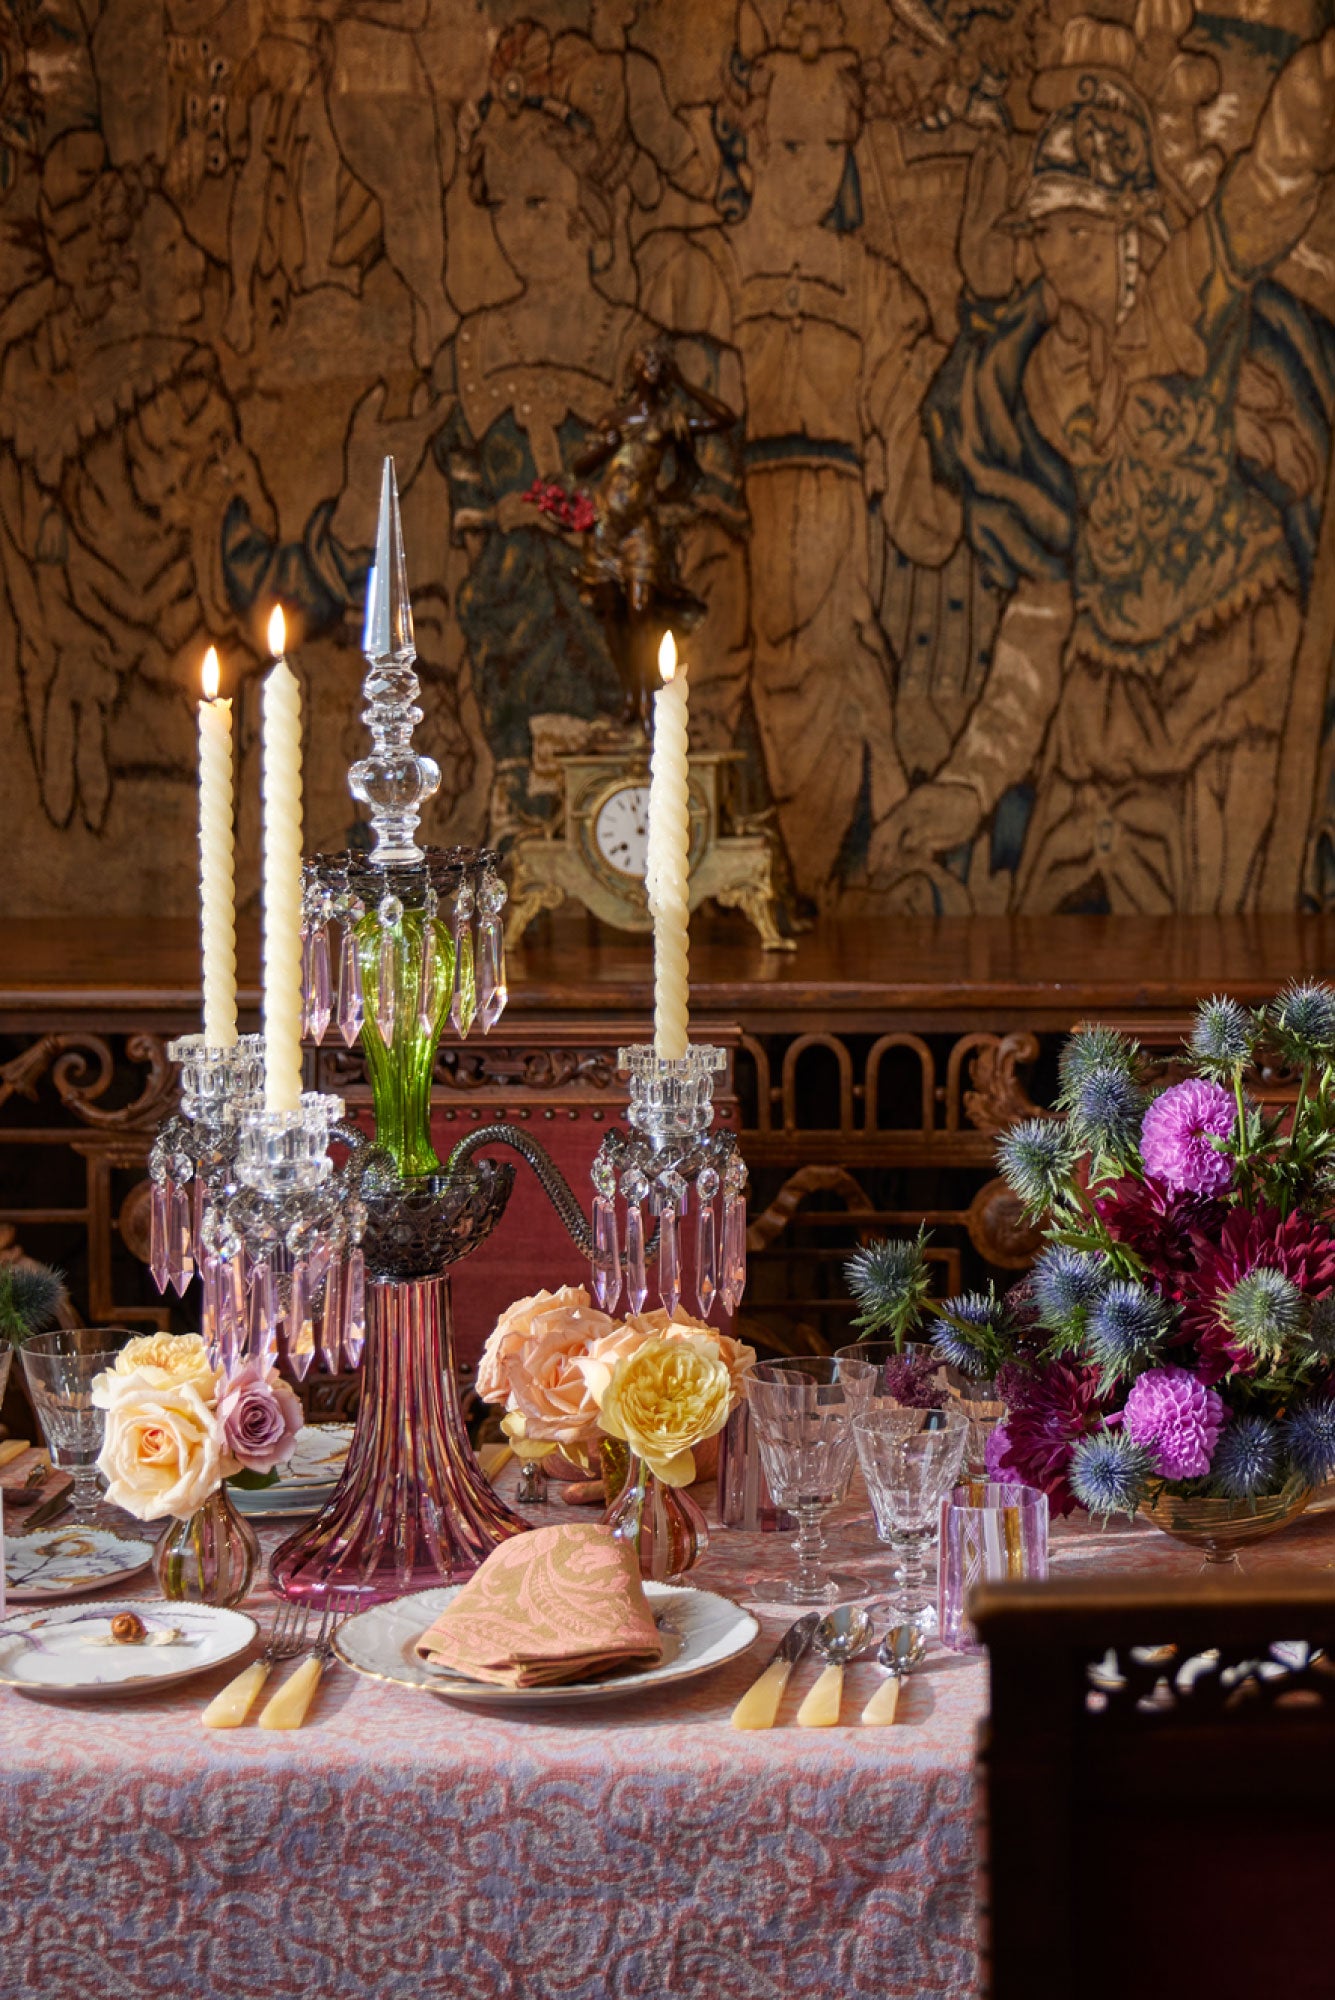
[559, 1604]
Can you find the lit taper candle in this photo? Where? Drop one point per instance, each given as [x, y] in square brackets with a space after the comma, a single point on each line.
[281, 787]
[667, 866]
[217, 899]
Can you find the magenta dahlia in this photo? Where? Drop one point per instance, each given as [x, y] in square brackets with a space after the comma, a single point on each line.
[1298, 1245]
[1176, 1132]
[1173, 1416]
[1047, 1409]
[1162, 1226]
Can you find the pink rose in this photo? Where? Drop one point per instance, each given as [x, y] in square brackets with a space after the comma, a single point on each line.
[260, 1417]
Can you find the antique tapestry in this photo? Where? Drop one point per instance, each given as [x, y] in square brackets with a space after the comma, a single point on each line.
[1018, 563]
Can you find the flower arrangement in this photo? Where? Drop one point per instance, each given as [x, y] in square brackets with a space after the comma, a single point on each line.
[1177, 1333]
[177, 1427]
[569, 1375]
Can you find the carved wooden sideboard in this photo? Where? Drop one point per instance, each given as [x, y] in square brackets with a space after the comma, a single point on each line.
[870, 1073]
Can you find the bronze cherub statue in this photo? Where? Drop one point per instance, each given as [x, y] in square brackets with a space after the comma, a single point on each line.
[629, 572]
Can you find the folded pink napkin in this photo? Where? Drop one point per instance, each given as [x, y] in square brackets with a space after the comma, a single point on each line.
[560, 1604]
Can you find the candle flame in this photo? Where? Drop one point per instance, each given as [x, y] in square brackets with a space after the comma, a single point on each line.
[277, 632]
[667, 658]
[209, 674]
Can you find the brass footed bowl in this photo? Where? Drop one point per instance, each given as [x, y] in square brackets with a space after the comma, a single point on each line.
[1219, 1528]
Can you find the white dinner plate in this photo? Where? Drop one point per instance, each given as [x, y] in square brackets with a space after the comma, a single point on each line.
[69, 1561]
[701, 1631]
[317, 1457]
[64, 1650]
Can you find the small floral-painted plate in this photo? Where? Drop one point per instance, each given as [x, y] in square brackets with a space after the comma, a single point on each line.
[68, 1651]
[69, 1561]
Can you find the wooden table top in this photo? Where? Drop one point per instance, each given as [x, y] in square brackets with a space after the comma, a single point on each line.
[1044, 969]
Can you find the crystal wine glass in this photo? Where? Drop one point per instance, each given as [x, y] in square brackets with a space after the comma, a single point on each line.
[60, 1368]
[801, 1409]
[910, 1459]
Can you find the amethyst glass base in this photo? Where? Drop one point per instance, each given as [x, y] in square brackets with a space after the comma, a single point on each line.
[413, 1508]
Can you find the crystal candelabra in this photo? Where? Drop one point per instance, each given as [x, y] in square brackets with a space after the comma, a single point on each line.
[192, 1164]
[304, 1260]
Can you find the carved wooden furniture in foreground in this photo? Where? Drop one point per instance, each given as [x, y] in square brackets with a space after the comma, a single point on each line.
[1157, 1780]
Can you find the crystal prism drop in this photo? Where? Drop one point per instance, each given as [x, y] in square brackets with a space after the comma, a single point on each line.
[300, 1330]
[180, 1261]
[354, 1333]
[350, 1008]
[305, 984]
[387, 986]
[706, 1259]
[317, 994]
[669, 1262]
[198, 1199]
[606, 1254]
[209, 1311]
[232, 1329]
[264, 1315]
[734, 1251]
[491, 987]
[637, 1284]
[428, 996]
[331, 1320]
[463, 1006]
[159, 1207]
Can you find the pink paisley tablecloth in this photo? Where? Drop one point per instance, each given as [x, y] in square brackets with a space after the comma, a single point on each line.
[401, 1847]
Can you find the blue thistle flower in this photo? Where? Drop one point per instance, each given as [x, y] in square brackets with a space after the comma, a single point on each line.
[891, 1283]
[1263, 1310]
[1321, 1327]
[1106, 1112]
[1109, 1474]
[1304, 1020]
[975, 1336]
[1125, 1327]
[1223, 1035]
[30, 1298]
[1092, 1047]
[1036, 1162]
[1309, 1439]
[1066, 1284]
[1247, 1458]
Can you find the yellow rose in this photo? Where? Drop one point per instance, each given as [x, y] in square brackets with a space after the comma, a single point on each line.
[666, 1398]
[736, 1356]
[163, 1451]
[165, 1357]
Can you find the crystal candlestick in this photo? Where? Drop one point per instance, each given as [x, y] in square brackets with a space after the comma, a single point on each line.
[193, 1158]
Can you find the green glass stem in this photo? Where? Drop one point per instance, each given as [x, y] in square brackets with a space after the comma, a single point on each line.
[400, 1071]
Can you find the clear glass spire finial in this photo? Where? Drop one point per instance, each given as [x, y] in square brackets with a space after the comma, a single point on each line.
[395, 780]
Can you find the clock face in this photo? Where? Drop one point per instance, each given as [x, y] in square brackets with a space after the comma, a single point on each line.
[621, 829]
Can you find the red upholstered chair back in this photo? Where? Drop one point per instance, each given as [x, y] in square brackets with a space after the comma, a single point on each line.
[1157, 1789]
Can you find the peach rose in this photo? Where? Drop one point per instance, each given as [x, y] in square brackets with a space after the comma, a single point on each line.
[161, 1358]
[532, 1363]
[163, 1452]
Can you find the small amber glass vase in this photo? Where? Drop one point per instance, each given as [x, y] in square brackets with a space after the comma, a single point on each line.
[662, 1523]
[210, 1557]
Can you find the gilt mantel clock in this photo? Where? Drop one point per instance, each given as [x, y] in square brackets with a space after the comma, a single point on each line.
[596, 850]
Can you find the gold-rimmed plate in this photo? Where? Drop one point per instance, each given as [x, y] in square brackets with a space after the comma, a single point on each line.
[66, 1652]
[701, 1631]
[70, 1560]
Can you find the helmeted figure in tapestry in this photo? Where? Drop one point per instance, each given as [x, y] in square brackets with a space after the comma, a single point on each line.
[1140, 437]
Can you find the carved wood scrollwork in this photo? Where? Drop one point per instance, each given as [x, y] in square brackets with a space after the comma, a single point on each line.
[997, 1095]
[82, 1069]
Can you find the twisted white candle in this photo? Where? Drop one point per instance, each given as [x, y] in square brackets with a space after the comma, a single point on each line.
[217, 908]
[281, 787]
[667, 867]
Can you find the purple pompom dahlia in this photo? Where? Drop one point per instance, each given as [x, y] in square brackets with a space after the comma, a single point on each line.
[1177, 1419]
[1175, 1137]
